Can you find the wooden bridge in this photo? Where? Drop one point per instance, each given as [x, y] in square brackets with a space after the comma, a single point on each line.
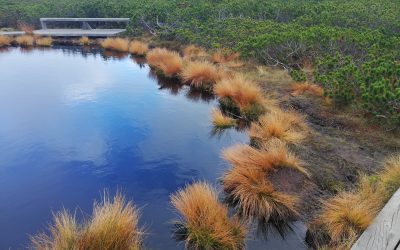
[85, 30]
[384, 232]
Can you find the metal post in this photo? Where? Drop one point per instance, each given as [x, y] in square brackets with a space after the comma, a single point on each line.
[86, 26]
[44, 25]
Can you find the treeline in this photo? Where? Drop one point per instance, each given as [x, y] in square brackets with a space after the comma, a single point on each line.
[352, 44]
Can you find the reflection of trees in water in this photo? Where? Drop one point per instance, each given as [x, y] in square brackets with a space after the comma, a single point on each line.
[173, 85]
[107, 54]
[139, 60]
[26, 50]
[4, 49]
[87, 51]
[196, 94]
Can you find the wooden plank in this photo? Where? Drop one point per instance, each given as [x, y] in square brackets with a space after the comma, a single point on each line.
[384, 232]
[79, 32]
[65, 19]
[11, 33]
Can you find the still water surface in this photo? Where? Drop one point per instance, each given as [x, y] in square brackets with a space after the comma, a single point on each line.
[73, 123]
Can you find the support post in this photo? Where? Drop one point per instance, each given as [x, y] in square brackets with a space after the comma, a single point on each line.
[44, 25]
[86, 26]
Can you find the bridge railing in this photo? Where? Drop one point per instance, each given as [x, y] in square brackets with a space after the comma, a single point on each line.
[85, 21]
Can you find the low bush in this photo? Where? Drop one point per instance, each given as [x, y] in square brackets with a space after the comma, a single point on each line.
[373, 85]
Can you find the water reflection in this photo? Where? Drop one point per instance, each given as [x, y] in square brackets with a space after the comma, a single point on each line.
[78, 121]
[139, 60]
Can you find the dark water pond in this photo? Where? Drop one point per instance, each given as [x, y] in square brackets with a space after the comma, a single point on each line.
[73, 123]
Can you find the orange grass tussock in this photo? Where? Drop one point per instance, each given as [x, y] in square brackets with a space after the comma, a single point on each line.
[300, 88]
[285, 125]
[205, 223]
[346, 215]
[241, 90]
[25, 40]
[255, 197]
[84, 40]
[390, 175]
[44, 42]
[270, 155]
[113, 225]
[200, 74]
[5, 41]
[192, 52]
[220, 120]
[117, 44]
[169, 62]
[138, 48]
[221, 57]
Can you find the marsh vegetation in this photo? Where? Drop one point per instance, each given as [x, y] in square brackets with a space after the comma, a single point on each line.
[318, 97]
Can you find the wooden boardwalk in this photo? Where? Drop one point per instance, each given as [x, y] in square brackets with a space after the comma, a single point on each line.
[384, 232]
[86, 29]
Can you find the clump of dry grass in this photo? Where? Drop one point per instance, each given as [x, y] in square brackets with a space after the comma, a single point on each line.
[220, 120]
[44, 42]
[346, 215]
[287, 126]
[5, 41]
[390, 175]
[84, 40]
[205, 223]
[200, 74]
[224, 57]
[138, 48]
[240, 90]
[117, 44]
[64, 233]
[25, 40]
[305, 87]
[193, 52]
[255, 197]
[113, 225]
[270, 155]
[169, 62]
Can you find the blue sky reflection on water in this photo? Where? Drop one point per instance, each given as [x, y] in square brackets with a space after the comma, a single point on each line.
[72, 125]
